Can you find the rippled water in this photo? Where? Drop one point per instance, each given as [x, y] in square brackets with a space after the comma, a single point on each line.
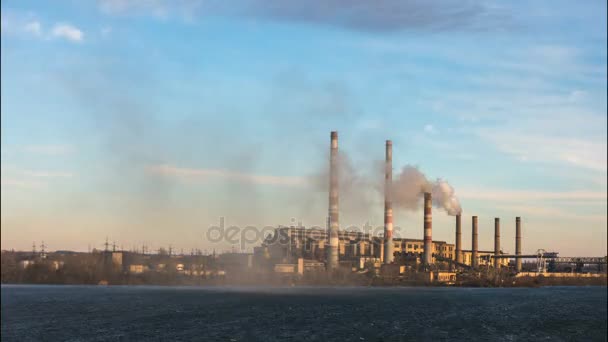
[78, 313]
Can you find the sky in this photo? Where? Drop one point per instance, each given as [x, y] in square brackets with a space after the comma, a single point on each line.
[145, 121]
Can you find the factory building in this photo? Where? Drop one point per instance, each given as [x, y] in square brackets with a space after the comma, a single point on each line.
[482, 258]
[287, 244]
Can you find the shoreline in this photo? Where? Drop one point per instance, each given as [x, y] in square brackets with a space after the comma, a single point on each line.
[577, 282]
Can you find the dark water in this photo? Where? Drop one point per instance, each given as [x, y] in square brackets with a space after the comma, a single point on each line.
[80, 313]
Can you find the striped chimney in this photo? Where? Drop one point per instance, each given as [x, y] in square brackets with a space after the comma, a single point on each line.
[518, 243]
[334, 225]
[474, 260]
[496, 242]
[458, 239]
[428, 229]
[388, 204]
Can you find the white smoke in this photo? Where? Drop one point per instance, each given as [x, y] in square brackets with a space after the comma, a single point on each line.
[445, 198]
[410, 184]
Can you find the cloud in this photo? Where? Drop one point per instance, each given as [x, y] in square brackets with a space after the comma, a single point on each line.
[430, 129]
[9, 182]
[33, 27]
[52, 150]
[67, 31]
[384, 15]
[359, 15]
[13, 176]
[550, 212]
[575, 152]
[47, 174]
[17, 24]
[207, 174]
[156, 8]
[26, 25]
[106, 31]
[523, 195]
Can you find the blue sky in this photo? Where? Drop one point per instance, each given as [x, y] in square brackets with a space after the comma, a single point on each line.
[146, 121]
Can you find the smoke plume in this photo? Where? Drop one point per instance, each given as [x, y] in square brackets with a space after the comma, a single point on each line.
[410, 184]
[359, 193]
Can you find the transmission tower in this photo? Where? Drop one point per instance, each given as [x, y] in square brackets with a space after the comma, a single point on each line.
[42, 252]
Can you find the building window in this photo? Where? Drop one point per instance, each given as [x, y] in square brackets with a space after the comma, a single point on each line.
[409, 245]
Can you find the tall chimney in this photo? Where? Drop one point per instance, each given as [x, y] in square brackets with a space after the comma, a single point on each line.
[428, 229]
[518, 243]
[496, 242]
[474, 261]
[334, 226]
[388, 204]
[458, 240]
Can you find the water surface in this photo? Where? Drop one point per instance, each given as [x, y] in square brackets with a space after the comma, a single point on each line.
[117, 313]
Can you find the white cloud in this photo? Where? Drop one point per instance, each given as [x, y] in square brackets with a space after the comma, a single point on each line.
[33, 27]
[67, 31]
[17, 177]
[19, 183]
[529, 195]
[106, 31]
[577, 95]
[158, 8]
[430, 129]
[27, 25]
[550, 212]
[575, 152]
[18, 24]
[205, 174]
[53, 150]
[47, 174]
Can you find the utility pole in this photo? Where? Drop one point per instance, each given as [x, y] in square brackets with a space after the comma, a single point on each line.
[106, 245]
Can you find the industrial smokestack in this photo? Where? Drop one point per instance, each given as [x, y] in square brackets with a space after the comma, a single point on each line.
[334, 226]
[496, 242]
[428, 229]
[518, 243]
[388, 204]
[458, 240]
[474, 261]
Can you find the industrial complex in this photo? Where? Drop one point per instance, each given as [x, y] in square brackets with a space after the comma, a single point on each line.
[299, 254]
[402, 258]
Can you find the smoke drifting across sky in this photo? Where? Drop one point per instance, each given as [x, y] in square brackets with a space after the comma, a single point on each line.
[361, 192]
[410, 184]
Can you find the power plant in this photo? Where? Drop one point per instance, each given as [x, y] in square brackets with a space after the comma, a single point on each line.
[335, 254]
[339, 248]
[388, 256]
